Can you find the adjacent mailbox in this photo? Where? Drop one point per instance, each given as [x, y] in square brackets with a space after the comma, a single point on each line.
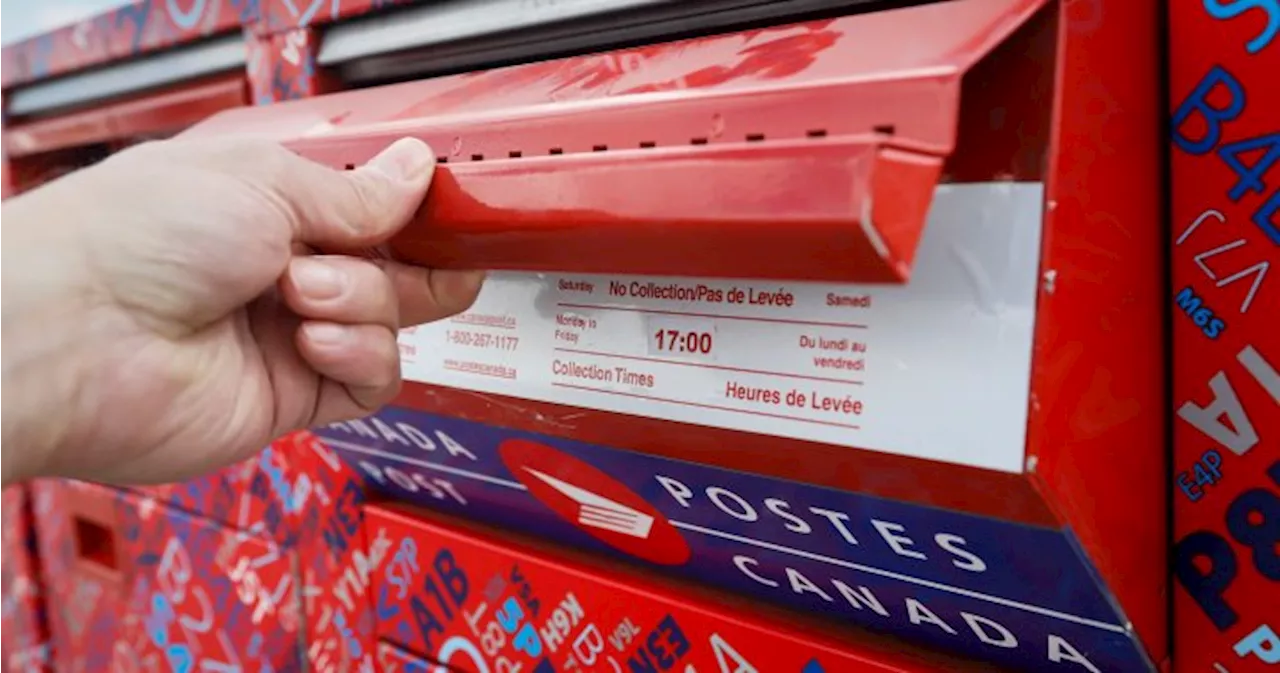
[40, 147]
[860, 316]
[133, 584]
[1225, 247]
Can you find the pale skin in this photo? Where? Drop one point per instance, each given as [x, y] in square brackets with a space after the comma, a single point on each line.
[176, 307]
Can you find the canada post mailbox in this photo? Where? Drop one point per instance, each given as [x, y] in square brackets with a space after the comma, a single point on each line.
[1225, 245]
[860, 317]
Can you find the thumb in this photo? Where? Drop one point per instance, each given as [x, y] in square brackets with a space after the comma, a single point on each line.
[347, 210]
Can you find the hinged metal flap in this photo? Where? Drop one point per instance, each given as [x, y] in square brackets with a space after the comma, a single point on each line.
[807, 152]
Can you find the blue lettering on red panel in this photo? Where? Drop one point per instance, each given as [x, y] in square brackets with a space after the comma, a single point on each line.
[1223, 10]
[1199, 124]
[1005, 592]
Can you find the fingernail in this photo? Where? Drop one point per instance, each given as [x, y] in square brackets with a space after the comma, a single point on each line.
[405, 159]
[325, 334]
[317, 280]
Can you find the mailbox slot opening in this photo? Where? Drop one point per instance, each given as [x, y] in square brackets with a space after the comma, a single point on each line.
[445, 38]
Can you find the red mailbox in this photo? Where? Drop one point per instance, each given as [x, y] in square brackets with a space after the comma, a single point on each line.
[1225, 247]
[870, 301]
[859, 317]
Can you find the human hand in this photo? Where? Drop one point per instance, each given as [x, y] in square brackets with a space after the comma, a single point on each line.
[168, 312]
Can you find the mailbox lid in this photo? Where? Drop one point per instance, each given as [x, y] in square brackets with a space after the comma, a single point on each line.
[808, 151]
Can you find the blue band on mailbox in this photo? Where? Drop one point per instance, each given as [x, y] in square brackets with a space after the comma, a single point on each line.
[1000, 591]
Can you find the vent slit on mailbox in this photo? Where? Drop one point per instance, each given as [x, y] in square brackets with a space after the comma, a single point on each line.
[884, 129]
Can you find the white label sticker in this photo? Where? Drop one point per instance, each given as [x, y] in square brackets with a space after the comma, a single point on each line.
[937, 368]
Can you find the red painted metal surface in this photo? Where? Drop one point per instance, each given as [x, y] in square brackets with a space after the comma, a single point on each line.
[584, 212]
[1097, 382]
[1225, 247]
[26, 641]
[216, 563]
[498, 604]
[914, 104]
[283, 15]
[282, 66]
[83, 596]
[1096, 441]
[552, 153]
[134, 581]
[137, 28]
[768, 88]
[155, 114]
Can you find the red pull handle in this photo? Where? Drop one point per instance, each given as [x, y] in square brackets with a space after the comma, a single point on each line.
[822, 209]
[847, 210]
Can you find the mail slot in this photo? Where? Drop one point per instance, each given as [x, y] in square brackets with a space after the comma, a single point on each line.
[948, 393]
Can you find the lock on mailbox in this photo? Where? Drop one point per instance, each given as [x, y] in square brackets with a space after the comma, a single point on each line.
[812, 313]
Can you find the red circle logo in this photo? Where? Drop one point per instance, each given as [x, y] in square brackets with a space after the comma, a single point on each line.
[594, 502]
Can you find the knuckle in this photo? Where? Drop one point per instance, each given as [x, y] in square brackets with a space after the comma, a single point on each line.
[379, 291]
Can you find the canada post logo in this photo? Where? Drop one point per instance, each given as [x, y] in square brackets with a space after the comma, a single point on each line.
[594, 502]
